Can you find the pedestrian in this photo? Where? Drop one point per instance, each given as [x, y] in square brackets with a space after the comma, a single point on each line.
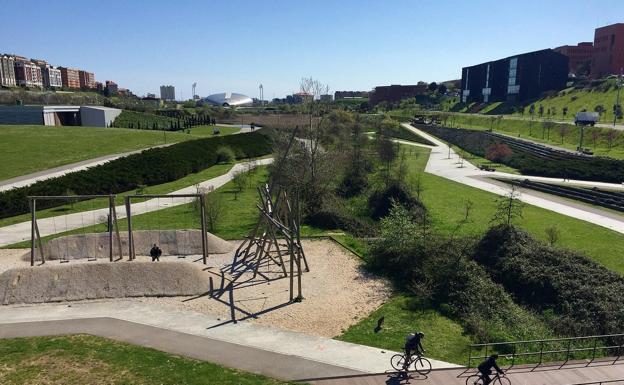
[155, 253]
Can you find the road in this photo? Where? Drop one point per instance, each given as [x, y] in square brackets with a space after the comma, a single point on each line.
[449, 167]
[21, 231]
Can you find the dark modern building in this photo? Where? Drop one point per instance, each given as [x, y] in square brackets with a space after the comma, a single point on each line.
[395, 93]
[608, 55]
[516, 78]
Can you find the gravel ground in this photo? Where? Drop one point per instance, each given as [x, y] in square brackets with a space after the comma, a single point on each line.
[337, 292]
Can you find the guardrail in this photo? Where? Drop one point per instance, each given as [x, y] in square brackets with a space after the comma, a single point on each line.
[563, 348]
[601, 382]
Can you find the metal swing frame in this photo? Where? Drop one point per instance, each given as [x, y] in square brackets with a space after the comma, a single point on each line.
[202, 214]
[35, 235]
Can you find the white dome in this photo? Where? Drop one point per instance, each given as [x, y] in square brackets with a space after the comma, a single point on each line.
[229, 99]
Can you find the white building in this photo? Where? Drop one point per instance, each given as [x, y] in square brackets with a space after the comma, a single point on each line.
[28, 74]
[7, 71]
[167, 92]
[51, 77]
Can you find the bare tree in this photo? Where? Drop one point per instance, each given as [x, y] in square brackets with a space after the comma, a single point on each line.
[611, 136]
[595, 135]
[213, 204]
[468, 205]
[508, 207]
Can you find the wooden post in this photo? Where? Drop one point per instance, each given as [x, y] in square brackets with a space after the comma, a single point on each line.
[232, 309]
[204, 236]
[33, 219]
[130, 240]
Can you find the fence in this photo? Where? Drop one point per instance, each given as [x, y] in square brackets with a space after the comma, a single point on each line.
[556, 349]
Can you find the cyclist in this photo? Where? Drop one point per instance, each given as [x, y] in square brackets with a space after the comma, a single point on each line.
[485, 368]
[413, 345]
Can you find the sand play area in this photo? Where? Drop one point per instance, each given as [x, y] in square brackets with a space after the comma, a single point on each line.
[337, 291]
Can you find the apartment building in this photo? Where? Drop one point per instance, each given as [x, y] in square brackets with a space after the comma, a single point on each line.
[7, 71]
[86, 79]
[608, 55]
[70, 77]
[579, 57]
[51, 77]
[28, 74]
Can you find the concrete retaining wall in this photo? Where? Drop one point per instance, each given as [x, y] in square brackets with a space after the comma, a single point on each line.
[172, 242]
[80, 281]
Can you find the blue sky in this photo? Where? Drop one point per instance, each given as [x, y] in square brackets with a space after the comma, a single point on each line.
[234, 45]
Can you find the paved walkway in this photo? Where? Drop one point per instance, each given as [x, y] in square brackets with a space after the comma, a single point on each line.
[21, 231]
[261, 349]
[441, 165]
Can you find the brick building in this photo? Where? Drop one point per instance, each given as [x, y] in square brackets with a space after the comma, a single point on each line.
[608, 50]
[395, 93]
[7, 71]
[87, 79]
[579, 57]
[28, 74]
[70, 77]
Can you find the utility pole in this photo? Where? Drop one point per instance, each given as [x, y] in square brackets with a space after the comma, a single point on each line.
[261, 95]
[194, 85]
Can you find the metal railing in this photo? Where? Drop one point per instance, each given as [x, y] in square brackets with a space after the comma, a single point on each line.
[601, 382]
[591, 347]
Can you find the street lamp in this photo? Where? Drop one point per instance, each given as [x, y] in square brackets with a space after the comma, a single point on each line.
[617, 108]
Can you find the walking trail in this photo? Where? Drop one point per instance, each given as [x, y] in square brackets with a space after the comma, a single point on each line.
[449, 167]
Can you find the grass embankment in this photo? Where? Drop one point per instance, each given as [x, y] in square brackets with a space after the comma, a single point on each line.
[82, 359]
[536, 131]
[28, 149]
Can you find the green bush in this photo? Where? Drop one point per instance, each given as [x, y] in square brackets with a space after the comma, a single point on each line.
[380, 201]
[225, 154]
[585, 297]
[439, 272]
[150, 167]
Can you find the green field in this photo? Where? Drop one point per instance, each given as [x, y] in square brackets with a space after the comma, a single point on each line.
[444, 339]
[83, 359]
[28, 149]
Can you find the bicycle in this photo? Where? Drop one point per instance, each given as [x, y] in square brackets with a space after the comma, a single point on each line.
[421, 364]
[499, 379]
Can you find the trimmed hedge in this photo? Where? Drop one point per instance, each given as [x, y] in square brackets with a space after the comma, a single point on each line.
[533, 159]
[585, 297]
[150, 167]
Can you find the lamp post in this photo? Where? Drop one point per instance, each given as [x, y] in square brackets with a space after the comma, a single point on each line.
[617, 107]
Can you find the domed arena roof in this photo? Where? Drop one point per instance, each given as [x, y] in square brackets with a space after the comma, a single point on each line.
[229, 99]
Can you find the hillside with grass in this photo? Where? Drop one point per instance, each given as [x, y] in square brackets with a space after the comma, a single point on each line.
[28, 149]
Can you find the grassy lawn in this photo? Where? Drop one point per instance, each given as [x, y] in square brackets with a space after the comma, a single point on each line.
[27, 149]
[82, 359]
[444, 339]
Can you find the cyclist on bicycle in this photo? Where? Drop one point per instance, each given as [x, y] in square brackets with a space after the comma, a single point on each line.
[413, 345]
[485, 368]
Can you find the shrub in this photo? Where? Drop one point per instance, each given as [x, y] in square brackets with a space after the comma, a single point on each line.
[225, 154]
[381, 201]
[586, 297]
[150, 167]
[498, 152]
[353, 183]
[332, 219]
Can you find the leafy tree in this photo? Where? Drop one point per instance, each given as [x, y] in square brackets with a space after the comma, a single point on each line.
[433, 86]
[565, 111]
[225, 154]
[387, 152]
[541, 110]
[442, 89]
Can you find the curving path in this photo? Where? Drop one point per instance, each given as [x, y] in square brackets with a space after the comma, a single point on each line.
[21, 231]
[441, 164]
